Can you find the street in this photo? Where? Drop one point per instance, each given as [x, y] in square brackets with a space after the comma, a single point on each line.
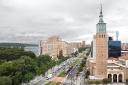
[42, 80]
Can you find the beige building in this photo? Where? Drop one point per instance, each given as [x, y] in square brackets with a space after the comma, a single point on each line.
[124, 46]
[117, 69]
[55, 46]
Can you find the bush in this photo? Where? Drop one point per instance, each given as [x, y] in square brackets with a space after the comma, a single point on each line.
[5, 81]
[105, 81]
[97, 82]
[93, 81]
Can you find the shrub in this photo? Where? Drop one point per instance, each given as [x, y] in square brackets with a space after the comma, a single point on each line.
[93, 81]
[105, 81]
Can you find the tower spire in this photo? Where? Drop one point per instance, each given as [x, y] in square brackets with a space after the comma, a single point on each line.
[101, 26]
[101, 13]
[101, 10]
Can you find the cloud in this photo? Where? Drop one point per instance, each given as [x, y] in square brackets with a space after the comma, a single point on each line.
[32, 20]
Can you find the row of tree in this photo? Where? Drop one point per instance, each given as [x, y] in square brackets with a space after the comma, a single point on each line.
[80, 50]
[8, 54]
[82, 64]
[18, 66]
[24, 69]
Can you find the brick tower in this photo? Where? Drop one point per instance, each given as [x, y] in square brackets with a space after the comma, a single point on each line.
[101, 48]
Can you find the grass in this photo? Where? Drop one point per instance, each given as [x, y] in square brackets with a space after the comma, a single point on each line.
[52, 83]
[75, 63]
[62, 74]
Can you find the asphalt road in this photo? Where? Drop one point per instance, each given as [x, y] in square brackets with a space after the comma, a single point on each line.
[41, 80]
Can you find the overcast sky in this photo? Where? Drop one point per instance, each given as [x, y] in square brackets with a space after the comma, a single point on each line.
[32, 20]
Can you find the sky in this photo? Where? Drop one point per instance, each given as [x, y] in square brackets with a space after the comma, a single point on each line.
[28, 21]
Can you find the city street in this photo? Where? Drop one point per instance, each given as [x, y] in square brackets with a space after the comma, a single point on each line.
[42, 80]
[72, 77]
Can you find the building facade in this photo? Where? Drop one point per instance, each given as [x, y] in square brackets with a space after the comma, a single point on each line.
[100, 66]
[55, 47]
[124, 46]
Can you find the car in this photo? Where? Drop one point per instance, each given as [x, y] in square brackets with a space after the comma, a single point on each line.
[49, 76]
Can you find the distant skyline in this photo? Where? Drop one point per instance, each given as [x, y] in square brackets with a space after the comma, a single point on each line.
[28, 21]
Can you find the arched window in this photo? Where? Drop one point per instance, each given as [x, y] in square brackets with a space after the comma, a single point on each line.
[115, 78]
[110, 77]
[120, 78]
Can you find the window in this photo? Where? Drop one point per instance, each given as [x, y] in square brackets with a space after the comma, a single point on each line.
[50, 46]
[104, 36]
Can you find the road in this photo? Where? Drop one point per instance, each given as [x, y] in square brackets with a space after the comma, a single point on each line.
[72, 77]
[42, 80]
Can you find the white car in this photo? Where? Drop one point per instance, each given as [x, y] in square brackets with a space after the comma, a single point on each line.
[49, 76]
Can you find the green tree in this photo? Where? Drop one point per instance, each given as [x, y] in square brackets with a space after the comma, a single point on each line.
[8, 54]
[27, 77]
[5, 81]
[80, 50]
[17, 78]
[25, 68]
[87, 74]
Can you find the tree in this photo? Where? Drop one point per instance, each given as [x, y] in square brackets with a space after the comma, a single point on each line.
[44, 63]
[27, 77]
[5, 81]
[80, 50]
[87, 74]
[17, 78]
[9, 54]
[25, 68]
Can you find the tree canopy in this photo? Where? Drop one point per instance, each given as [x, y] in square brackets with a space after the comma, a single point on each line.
[18, 66]
[14, 53]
